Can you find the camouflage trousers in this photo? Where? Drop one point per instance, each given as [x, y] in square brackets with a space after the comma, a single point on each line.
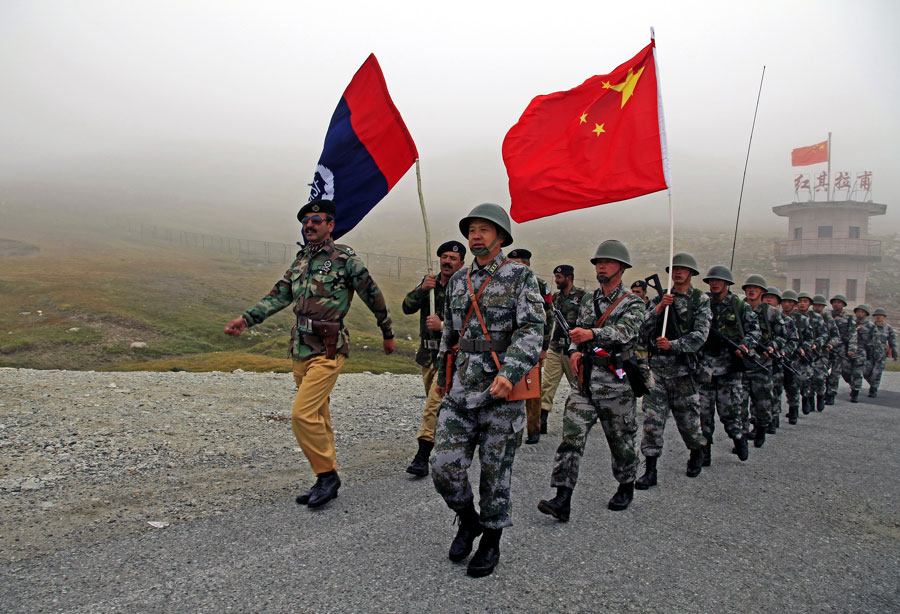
[777, 392]
[612, 403]
[756, 399]
[853, 370]
[797, 387]
[721, 393]
[833, 382]
[681, 395]
[819, 377]
[874, 374]
[496, 429]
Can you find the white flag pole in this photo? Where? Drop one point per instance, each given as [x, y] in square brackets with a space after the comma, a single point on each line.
[664, 149]
[429, 268]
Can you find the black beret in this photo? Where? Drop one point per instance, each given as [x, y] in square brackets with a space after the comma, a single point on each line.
[523, 254]
[452, 246]
[564, 269]
[317, 206]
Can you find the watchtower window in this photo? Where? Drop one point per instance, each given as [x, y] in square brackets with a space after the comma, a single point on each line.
[825, 232]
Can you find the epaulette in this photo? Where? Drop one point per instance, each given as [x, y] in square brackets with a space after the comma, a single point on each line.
[346, 249]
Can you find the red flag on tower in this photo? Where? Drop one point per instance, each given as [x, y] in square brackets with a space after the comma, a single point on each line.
[814, 154]
[598, 143]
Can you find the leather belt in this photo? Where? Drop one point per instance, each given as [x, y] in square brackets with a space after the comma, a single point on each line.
[482, 345]
[605, 361]
[431, 344]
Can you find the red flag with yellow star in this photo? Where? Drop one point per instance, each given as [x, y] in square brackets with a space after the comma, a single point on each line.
[814, 154]
[598, 143]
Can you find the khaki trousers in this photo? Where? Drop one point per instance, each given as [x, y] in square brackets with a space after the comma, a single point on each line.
[555, 366]
[310, 416]
[432, 404]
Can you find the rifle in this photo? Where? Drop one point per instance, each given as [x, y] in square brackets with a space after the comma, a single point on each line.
[564, 327]
[748, 360]
[690, 358]
[777, 360]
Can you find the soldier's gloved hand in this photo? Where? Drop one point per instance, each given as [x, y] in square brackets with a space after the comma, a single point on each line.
[501, 387]
[663, 343]
[428, 283]
[235, 327]
[389, 346]
[433, 323]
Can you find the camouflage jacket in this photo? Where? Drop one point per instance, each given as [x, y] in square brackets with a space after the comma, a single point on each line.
[736, 320]
[418, 300]
[888, 338]
[821, 335]
[846, 326]
[791, 338]
[568, 304]
[694, 316]
[513, 311]
[832, 333]
[547, 298]
[320, 284]
[771, 326]
[804, 332]
[869, 339]
[622, 327]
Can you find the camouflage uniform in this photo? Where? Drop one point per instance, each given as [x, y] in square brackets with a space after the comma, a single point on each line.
[871, 350]
[789, 339]
[533, 406]
[721, 386]
[758, 389]
[557, 363]
[673, 382]
[799, 387]
[512, 309]
[840, 360]
[821, 337]
[889, 342]
[609, 399]
[320, 284]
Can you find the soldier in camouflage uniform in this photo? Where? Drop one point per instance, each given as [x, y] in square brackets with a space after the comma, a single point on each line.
[567, 300]
[757, 382]
[821, 340]
[452, 254]
[721, 388]
[533, 406]
[870, 350]
[606, 331]
[320, 286]
[787, 339]
[889, 341]
[798, 387]
[843, 353]
[673, 361]
[834, 340]
[499, 341]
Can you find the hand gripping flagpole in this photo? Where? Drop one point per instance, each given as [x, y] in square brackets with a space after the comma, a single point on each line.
[664, 149]
[429, 267]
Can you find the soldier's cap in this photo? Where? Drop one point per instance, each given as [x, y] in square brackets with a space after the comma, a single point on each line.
[839, 297]
[789, 295]
[564, 269]
[325, 207]
[640, 284]
[755, 280]
[819, 299]
[774, 291]
[520, 254]
[805, 294]
[862, 307]
[879, 312]
[452, 246]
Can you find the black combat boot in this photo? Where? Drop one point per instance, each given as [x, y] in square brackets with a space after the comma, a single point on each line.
[873, 392]
[303, 498]
[741, 448]
[622, 499]
[792, 415]
[759, 437]
[820, 402]
[544, 414]
[325, 489]
[694, 465]
[707, 454]
[419, 464]
[487, 556]
[854, 396]
[773, 425]
[469, 528]
[806, 407]
[560, 505]
[649, 478]
[534, 437]
[829, 399]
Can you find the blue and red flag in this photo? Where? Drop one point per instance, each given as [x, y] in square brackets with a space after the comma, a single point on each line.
[367, 149]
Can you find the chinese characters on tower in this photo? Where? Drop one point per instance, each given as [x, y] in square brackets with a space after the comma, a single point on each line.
[807, 186]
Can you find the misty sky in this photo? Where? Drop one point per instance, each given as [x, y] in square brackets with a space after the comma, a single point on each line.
[198, 104]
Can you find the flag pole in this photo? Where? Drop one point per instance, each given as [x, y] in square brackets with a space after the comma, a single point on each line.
[429, 268]
[746, 162]
[828, 188]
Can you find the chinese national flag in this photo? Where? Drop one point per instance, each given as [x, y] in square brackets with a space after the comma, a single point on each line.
[804, 156]
[595, 144]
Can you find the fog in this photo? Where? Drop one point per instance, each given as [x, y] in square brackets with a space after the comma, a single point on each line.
[212, 114]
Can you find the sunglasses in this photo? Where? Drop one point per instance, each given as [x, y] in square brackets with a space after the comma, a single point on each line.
[315, 219]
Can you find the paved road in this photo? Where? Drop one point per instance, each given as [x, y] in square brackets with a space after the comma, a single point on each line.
[810, 523]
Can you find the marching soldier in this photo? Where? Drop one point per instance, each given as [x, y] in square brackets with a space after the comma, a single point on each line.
[821, 341]
[567, 300]
[493, 326]
[533, 420]
[889, 340]
[870, 350]
[673, 361]
[452, 254]
[607, 329]
[320, 285]
[798, 387]
[757, 381]
[733, 331]
[788, 341]
[834, 339]
[842, 355]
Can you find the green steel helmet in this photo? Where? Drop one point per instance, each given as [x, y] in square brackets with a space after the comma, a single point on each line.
[719, 271]
[790, 295]
[819, 299]
[756, 280]
[880, 312]
[492, 213]
[687, 261]
[805, 294]
[614, 250]
[864, 307]
[839, 297]
[774, 291]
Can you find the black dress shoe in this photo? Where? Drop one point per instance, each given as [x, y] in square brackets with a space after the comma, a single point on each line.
[534, 438]
[325, 490]
[303, 498]
[544, 414]
[487, 556]
[623, 497]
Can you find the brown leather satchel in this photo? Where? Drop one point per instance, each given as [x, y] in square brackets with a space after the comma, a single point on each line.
[328, 332]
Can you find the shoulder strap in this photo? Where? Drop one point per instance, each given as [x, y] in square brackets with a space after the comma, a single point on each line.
[474, 298]
[737, 317]
[606, 313]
